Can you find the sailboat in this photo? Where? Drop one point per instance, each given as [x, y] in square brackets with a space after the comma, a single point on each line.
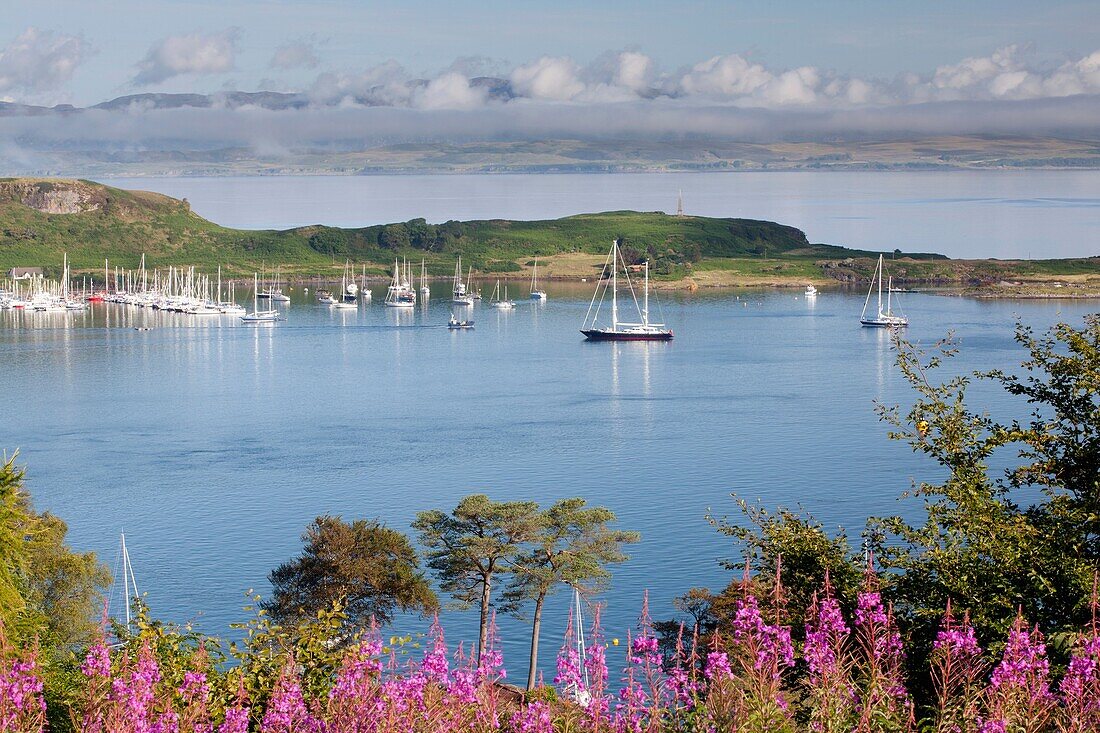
[275, 292]
[496, 302]
[641, 330]
[577, 690]
[459, 296]
[425, 290]
[350, 289]
[129, 582]
[399, 294]
[536, 293]
[474, 294]
[885, 318]
[257, 315]
[348, 292]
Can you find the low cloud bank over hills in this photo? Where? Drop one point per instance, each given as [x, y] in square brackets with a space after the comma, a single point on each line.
[619, 100]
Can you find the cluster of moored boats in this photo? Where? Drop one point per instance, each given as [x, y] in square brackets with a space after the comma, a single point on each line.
[183, 290]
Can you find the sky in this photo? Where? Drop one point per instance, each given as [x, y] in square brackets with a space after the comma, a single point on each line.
[87, 51]
[367, 73]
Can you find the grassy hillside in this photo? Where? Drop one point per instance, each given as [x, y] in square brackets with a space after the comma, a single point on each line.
[40, 219]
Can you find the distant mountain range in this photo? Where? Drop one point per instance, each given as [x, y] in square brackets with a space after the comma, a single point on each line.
[496, 89]
[377, 130]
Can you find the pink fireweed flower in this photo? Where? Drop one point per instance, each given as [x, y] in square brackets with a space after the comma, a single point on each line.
[133, 692]
[464, 684]
[825, 638]
[357, 668]
[194, 686]
[1024, 663]
[773, 647]
[533, 718]
[435, 666]
[22, 706]
[883, 696]
[957, 670]
[491, 664]
[1080, 687]
[1019, 693]
[236, 720]
[570, 676]
[595, 665]
[831, 693]
[286, 710]
[681, 686]
[718, 667]
[959, 643]
[97, 663]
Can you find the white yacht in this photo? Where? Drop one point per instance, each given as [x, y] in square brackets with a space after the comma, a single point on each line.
[459, 293]
[400, 294]
[536, 292]
[497, 302]
[257, 315]
[885, 318]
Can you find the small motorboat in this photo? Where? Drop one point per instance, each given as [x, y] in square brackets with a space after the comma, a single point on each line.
[454, 324]
[811, 291]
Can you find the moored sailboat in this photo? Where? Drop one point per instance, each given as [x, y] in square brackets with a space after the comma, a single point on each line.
[497, 302]
[459, 294]
[641, 330]
[399, 294]
[885, 318]
[257, 315]
[536, 292]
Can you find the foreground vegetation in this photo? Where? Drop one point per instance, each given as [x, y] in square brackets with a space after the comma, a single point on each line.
[40, 220]
[981, 618]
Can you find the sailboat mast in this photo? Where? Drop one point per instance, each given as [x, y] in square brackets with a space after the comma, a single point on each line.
[126, 580]
[889, 290]
[879, 274]
[615, 286]
[645, 300]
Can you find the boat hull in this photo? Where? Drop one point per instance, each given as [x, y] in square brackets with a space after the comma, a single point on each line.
[597, 334]
[866, 323]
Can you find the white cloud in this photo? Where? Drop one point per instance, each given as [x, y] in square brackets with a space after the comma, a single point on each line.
[38, 60]
[299, 55]
[635, 72]
[195, 53]
[449, 91]
[553, 78]
[384, 84]
[725, 76]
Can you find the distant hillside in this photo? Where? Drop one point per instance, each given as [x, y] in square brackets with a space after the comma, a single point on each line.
[42, 218]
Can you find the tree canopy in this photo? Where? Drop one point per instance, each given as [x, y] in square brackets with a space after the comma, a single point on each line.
[365, 567]
[573, 546]
[469, 546]
[46, 589]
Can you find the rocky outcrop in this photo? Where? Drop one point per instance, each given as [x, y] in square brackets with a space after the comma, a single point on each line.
[54, 197]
